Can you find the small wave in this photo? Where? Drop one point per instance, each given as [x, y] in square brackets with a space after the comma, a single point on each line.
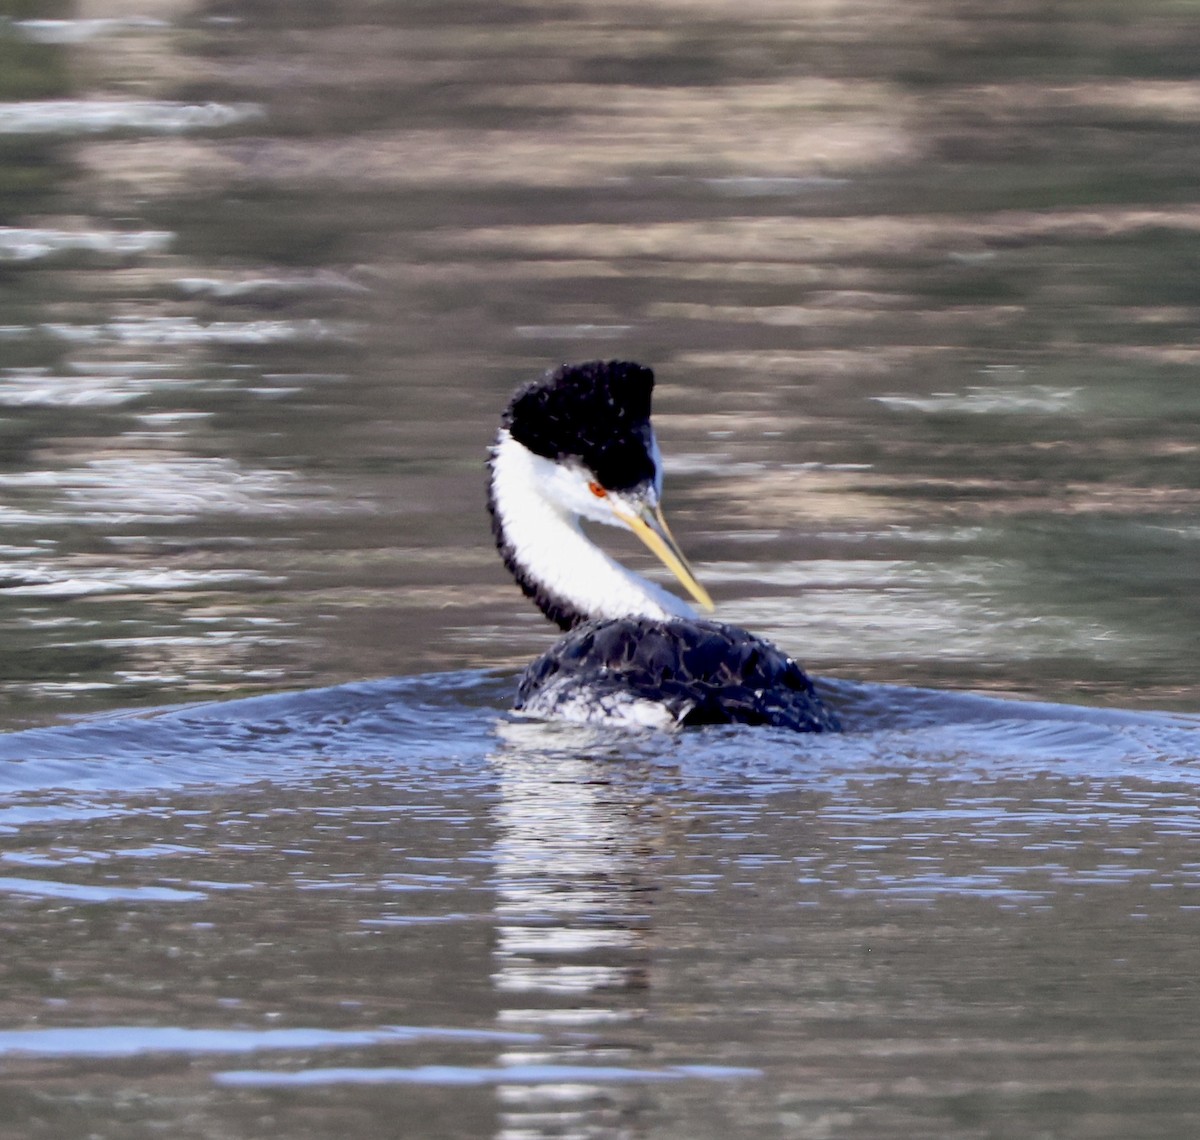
[1037, 399]
[772, 186]
[138, 1040]
[17, 244]
[419, 722]
[44, 582]
[1005, 392]
[134, 488]
[462, 1075]
[31, 391]
[86, 892]
[82, 30]
[174, 331]
[236, 288]
[455, 726]
[97, 117]
[572, 332]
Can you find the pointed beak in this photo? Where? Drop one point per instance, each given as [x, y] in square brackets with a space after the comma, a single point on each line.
[648, 524]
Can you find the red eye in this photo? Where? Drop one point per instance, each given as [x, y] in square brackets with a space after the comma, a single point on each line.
[598, 491]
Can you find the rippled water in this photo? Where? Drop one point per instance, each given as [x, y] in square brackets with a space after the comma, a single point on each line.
[965, 914]
[919, 286]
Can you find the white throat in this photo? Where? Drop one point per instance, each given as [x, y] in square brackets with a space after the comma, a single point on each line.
[548, 545]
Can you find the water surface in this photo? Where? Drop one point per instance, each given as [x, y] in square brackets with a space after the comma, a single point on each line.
[919, 286]
[963, 914]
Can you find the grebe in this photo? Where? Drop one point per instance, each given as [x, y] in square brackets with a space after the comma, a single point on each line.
[577, 444]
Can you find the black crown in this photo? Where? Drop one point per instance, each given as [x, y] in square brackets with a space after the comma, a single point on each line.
[596, 413]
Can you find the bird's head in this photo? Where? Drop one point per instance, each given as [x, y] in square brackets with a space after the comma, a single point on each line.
[592, 423]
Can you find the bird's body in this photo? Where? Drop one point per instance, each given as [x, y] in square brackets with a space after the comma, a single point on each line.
[578, 444]
[682, 671]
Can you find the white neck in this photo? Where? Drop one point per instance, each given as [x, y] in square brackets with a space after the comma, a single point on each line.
[548, 547]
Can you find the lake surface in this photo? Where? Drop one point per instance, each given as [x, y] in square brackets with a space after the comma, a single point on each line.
[919, 285]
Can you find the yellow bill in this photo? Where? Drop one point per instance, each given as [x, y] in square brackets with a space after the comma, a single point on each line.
[650, 526]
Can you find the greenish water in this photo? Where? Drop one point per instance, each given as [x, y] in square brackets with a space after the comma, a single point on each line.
[919, 285]
[921, 302]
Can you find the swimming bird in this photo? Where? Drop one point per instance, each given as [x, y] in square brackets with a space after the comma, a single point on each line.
[577, 444]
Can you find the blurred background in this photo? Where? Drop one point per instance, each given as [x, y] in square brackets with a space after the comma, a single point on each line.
[919, 282]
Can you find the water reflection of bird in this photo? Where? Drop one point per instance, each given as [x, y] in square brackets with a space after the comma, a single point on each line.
[578, 444]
